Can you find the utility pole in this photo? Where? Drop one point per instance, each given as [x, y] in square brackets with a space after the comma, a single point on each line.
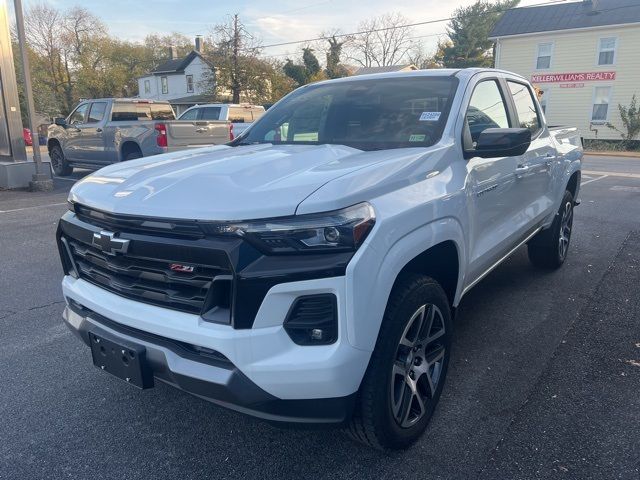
[40, 180]
[236, 49]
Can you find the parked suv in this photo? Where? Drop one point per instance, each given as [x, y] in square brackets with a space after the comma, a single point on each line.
[310, 270]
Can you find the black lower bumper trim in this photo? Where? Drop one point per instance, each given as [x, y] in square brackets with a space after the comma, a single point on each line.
[227, 387]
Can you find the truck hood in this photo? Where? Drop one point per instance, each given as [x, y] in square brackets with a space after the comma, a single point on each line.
[224, 183]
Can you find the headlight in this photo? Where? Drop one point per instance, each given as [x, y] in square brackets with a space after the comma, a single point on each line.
[340, 230]
[71, 206]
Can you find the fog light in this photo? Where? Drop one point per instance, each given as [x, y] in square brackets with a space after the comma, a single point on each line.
[313, 320]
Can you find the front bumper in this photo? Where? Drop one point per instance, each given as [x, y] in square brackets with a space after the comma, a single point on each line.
[208, 375]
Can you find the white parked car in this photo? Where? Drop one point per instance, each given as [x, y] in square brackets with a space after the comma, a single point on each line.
[241, 115]
[310, 270]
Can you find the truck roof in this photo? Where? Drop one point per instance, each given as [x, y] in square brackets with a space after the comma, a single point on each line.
[125, 100]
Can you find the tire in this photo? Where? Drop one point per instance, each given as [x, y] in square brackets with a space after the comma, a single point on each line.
[59, 163]
[133, 155]
[408, 366]
[549, 249]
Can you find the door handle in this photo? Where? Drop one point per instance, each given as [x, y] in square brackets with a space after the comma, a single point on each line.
[549, 158]
[521, 170]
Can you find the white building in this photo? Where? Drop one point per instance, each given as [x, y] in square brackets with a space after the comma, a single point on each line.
[583, 55]
[180, 80]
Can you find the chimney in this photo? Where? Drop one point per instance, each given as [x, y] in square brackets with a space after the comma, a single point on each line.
[173, 52]
[199, 44]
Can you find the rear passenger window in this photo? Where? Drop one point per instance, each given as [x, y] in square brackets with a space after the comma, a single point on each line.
[210, 113]
[96, 113]
[132, 112]
[525, 107]
[486, 110]
[162, 111]
[190, 115]
[240, 115]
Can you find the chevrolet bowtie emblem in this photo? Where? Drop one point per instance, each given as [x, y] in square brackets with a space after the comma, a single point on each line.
[107, 242]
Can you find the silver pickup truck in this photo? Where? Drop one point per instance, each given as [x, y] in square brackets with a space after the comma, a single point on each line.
[108, 130]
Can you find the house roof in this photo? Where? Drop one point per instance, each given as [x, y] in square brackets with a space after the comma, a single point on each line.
[386, 69]
[176, 65]
[566, 16]
[192, 100]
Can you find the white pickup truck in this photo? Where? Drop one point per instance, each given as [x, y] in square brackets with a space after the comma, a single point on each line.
[240, 115]
[108, 130]
[310, 270]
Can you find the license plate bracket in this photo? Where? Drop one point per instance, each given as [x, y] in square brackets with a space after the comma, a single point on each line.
[123, 359]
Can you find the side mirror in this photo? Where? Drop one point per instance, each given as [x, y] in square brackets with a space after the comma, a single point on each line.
[502, 142]
[60, 121]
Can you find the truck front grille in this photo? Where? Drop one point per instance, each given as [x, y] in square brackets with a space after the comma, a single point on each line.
[141, 225]
[150, 280]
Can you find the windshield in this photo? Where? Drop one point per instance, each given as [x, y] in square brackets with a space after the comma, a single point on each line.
[370, 114]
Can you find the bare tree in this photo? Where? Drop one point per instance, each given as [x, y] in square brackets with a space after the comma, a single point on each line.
[234, 55]
[384, 40]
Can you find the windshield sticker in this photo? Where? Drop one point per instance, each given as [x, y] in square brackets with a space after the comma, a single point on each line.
[430, 116]
[417, 138]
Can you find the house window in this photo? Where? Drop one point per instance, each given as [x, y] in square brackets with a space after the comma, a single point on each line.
[543, 59]
[601, 100]
[165, 84]
[190, 83]
[147, 86]
[607, 51]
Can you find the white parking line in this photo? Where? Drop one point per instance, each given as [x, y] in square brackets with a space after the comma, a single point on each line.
[594, 180]
[32, 207]
[611, 174]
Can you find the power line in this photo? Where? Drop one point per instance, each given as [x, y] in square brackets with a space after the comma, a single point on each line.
[426, 22]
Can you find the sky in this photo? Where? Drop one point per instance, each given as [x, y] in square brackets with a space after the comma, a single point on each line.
[271, 21]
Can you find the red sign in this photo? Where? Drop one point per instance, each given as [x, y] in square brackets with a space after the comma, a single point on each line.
[573, 77]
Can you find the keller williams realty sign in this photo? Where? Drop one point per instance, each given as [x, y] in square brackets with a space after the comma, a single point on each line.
[573, 77]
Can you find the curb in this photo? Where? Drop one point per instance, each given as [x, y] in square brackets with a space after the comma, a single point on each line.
[613, 154]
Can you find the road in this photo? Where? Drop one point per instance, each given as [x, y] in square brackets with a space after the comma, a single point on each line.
[544, 379]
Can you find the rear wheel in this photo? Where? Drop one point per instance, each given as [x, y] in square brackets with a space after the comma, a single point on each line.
[550, 247]
[408, 367]
[133, 155]
[59, 164]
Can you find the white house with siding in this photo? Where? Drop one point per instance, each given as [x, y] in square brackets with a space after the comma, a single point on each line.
[584, 56]
[180, 80]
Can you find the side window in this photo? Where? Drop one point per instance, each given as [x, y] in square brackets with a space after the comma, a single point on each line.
[190, 115]
[543, 58]
[607, 50]
[79, 114]
[164, 82]
[210, 113]
[240, 115]
[96, 112]
[525, 107]
[190, 83]
[486, 110]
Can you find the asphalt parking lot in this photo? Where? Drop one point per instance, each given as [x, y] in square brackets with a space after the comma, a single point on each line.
[543, 384]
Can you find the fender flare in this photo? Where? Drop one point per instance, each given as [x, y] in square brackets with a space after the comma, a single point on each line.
[370, 280]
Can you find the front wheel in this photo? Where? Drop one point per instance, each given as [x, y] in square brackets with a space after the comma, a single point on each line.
[404, 380]
[59, 163]
[550, 247]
